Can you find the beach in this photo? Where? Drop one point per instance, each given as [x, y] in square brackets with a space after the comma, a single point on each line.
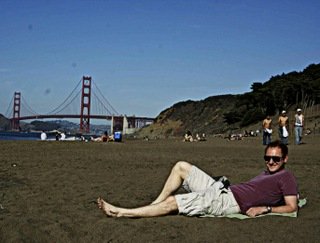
[48, 190]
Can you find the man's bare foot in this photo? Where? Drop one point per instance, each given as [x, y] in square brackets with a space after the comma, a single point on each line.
[107, 208]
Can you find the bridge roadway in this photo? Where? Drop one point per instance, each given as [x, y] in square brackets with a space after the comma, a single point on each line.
[108, 117]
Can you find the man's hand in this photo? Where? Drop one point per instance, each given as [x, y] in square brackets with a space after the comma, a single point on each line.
[289, 207]
[255, 211]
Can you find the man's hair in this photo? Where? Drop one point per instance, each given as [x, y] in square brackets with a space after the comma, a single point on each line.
[278, 144]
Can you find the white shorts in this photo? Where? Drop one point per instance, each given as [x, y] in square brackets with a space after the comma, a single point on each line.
[206, 196]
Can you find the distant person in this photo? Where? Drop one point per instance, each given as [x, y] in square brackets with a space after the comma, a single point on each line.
[266, 130]
[274, 190]
[308, 131]
[298, 126]
[283, 122]
[103, 138]
[201, 138]
[235, 136]
[43, 136]
[58, 136]
[188, 137]
[246, 133]
[111, 138]
[62, 136]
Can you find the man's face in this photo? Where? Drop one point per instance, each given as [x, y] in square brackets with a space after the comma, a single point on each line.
[274, 160]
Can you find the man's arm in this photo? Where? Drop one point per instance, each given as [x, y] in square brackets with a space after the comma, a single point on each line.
[289, 207]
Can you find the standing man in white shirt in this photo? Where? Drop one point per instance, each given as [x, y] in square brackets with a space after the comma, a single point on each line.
[298, 126]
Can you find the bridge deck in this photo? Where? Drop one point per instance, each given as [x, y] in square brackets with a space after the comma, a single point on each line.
[108, 117]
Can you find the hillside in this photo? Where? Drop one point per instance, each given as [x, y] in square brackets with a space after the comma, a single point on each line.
[226, 113]
[4, 123]
[197, 116]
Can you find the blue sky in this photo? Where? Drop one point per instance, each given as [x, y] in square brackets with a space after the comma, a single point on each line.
[146, 55]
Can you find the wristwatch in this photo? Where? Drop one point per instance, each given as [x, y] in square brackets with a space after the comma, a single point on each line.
[269, 209]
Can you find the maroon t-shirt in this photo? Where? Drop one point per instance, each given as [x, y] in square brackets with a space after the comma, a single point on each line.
[265, 190]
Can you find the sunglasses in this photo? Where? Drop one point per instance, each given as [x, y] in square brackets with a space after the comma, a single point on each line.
[275, 159]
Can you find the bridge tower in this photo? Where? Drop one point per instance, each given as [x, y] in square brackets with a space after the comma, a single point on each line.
[85, 105]
[16, 111]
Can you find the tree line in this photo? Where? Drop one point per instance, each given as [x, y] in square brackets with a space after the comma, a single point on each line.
[281, 92]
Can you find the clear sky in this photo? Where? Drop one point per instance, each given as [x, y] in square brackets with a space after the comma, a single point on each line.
[146, 55]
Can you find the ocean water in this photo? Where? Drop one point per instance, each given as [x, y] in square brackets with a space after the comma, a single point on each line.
[51, 136]
[19, 136]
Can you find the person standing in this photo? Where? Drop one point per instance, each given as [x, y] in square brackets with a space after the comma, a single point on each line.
[63, 136]
[43, 136]
[298, 126]
[188, 137]
[283, 122]
[267, 130]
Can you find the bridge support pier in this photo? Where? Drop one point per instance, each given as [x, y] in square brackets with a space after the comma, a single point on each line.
[126, 125]
[15, 121]
[85, 105]
[129, 125]
[117, 124]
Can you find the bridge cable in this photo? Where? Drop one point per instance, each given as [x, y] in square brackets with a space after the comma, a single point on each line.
[76, 96]
[97, 106]
[101, 103]
[113, 109]
[54, 111]
[28, 107]
[8, 113]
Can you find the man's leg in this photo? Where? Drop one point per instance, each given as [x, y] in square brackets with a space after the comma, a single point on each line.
[296, 133]
[268, 138]
[280, 133]
[264, 138]
[165, 207]
[300, 134]
[178, 173]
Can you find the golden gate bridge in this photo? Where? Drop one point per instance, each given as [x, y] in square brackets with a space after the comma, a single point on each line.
[93, 105]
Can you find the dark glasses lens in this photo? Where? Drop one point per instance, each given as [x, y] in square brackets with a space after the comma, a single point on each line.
[275, 159]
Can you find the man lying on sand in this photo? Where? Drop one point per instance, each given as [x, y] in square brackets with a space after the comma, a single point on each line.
[274, 190]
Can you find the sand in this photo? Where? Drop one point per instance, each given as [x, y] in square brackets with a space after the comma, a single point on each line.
[47, 189]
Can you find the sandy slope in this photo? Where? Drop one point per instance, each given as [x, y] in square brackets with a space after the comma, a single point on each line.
[47, 196]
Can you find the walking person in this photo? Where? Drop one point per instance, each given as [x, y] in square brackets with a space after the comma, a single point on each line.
[266, 130]
[298, 126]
